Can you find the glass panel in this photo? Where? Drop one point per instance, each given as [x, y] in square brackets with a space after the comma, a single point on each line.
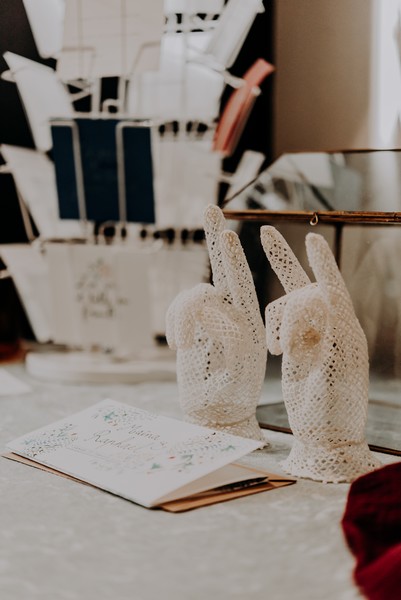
[317, 181]
[360, 181]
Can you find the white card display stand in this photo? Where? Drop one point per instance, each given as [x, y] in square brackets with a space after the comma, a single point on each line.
[100, 299]
[102, 38]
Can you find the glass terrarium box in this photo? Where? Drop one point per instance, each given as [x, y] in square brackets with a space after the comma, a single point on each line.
[353, 199]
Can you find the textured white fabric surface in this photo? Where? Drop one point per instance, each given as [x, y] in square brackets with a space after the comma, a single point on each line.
[219, 336]
[325, 369]
[62, 540]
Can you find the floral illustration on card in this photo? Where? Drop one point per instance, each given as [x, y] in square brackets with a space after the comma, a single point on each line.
[193, 453]
[96, 290]
[122, 416]
[51, 440]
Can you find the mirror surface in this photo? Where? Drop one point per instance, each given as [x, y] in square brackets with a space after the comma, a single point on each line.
[361, 182]
[368, 181]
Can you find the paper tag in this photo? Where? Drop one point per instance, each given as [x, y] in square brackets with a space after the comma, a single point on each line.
[46, 21]
[43, 96]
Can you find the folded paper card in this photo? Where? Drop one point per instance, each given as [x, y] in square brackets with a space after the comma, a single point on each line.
[152, 460]
[42, 94]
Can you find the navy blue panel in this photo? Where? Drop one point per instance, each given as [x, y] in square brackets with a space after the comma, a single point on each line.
[138, 175]
[65, 172]
[99, 164]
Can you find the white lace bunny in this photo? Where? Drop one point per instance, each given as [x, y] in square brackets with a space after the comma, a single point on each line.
[219, 336]
[325, 369]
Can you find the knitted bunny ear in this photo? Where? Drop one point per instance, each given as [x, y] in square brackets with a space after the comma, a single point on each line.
[282, 259]
[327, 273]
[214, 223]
[239, 278]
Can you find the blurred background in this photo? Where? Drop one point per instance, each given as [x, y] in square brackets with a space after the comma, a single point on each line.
[331, 87]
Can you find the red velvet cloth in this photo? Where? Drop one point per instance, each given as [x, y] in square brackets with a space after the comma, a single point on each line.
[372, 527]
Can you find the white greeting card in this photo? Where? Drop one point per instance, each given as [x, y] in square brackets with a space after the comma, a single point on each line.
[186, 180]
[43, 95]
[140, 456]
[232, 28]
[46, 18]
[181, 89]
[100, 296]
[104, 38]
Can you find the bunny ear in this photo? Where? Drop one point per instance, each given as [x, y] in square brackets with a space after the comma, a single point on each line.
[239, 277]
[326, 271]
[214, 224]
[282, 259]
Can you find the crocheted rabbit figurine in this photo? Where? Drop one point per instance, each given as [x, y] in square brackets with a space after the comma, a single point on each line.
[325, 370]
[220, 339]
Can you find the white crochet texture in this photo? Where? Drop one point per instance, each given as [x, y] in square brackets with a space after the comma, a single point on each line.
[220, 339]
[325, 368]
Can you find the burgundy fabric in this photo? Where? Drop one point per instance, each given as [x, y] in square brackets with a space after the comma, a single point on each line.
[372, 527]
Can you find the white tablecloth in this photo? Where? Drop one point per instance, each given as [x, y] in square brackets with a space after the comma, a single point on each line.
[62, 540]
